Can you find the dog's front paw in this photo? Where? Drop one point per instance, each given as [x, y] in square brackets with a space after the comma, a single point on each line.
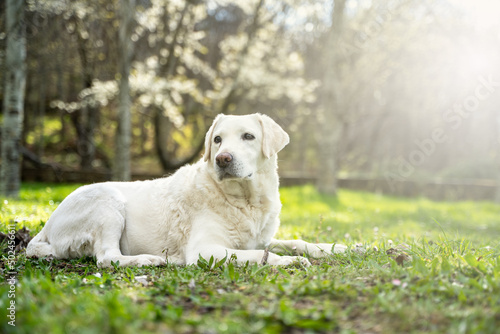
[288, 260]
[322, 250]
[337, 248]
[149, 260]
[134, 260]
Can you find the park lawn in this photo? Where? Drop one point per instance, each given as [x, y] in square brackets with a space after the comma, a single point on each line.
[430, 267]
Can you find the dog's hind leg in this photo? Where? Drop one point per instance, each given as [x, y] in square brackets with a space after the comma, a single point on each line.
[39, 246]
[90, 221]
[107, 245]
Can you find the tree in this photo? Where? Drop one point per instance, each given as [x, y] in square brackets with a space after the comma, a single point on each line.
[331, 123]
[497, 197]
[124, 130]
[360, 53]
[13, 100]
[85, 120]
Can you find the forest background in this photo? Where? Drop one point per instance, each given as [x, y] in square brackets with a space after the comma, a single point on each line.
[404, 90]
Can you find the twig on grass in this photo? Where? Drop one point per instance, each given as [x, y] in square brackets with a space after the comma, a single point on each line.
[264, 257]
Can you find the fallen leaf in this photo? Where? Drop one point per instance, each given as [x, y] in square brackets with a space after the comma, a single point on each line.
[402, 258]
[391, 251]
[21, 238]
[398, 254]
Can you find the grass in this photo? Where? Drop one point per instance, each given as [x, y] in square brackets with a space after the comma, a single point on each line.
[431, 267]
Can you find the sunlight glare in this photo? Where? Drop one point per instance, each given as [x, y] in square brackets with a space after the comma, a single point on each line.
[485, 13]
[476, 60]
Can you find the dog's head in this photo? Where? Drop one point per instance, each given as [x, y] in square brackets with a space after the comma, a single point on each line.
[238, 146]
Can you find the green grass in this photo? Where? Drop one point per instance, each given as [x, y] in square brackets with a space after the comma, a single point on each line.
[449, 281]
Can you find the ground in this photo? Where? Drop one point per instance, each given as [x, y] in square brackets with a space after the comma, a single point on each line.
[430, 267]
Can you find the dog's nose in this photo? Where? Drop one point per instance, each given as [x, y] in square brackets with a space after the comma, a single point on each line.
[223, 160]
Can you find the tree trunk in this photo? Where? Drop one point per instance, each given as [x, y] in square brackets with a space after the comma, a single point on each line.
[162, 125]
[329, 150]
[122, 170]
[13, 99]
[497, 199]
[40, 122]
[62, 90]
[86, 119]
[330, 122]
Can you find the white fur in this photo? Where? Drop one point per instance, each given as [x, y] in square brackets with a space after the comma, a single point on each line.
[200, 210]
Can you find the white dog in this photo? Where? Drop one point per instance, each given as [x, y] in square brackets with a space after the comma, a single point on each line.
[227, 203]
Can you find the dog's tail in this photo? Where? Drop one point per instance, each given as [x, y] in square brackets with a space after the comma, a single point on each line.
[39, 246]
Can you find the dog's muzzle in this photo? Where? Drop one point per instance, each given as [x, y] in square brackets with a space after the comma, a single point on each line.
[223, 160]
[229, 168]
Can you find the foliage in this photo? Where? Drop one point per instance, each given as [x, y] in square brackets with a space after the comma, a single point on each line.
[173, 69]
[192, 60]
[448, 282]
[362, 85]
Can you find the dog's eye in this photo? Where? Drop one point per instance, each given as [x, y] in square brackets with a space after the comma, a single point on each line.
[217, 139]
[248, 136]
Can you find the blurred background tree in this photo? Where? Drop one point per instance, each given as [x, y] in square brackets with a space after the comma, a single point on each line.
[13, 98]
[394, 90]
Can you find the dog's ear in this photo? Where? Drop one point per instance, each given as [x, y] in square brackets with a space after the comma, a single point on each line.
[274, 138]
[208, 138]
